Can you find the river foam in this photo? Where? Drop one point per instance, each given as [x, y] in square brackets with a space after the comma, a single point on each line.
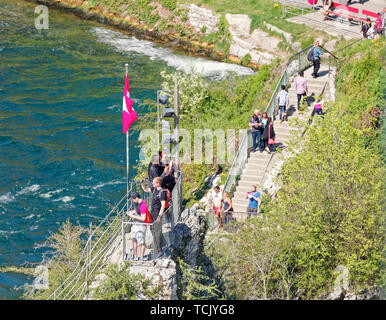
[208, 68]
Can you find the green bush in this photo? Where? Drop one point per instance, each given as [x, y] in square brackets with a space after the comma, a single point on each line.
[246, 59]
[195, 285]
[168, 4]
[120, 284]
[227, 104]
[328, 212]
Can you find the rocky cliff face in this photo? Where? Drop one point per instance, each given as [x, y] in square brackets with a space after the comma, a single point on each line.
[189, 236]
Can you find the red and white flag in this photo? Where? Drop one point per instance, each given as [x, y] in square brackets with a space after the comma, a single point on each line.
[128, 113]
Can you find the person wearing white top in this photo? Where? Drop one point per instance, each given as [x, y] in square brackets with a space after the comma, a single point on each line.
[217, 205]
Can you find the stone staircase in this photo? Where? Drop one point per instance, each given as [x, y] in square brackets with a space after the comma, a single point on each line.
[255, 171]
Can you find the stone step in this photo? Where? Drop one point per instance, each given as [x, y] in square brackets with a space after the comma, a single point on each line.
[256, 165]
[241, 203]
[252, 172]
[240, 195]
[238, 212]
[239, 216]
[284, 127]
[263, 157]
[313, 87]
[249, 184]
[243, 189]
[311, 81]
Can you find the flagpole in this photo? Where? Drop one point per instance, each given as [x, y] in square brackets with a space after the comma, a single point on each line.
[127, 155]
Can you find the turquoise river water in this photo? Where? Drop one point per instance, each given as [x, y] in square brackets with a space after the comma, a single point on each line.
[62, 151]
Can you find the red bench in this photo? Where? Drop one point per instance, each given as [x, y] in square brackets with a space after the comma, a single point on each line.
[345, 15]
[369, 13]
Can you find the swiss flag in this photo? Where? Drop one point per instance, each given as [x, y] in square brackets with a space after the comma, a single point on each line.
[128, 113]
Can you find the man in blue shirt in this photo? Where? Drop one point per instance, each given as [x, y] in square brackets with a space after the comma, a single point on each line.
[254, 199]
[316, 56]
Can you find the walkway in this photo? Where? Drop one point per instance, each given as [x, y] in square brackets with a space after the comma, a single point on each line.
[259, 164]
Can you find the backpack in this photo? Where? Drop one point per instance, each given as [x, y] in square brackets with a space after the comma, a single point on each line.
[310, 55]
[148, 218]
[168, 196]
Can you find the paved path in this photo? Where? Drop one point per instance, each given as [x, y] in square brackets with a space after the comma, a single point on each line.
[259, 164]
[336, 27]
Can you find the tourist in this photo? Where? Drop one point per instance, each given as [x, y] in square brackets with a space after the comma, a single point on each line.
[264, 120]
[372, 32]
[228, 208]
[379, 24]
[256, 129]
[318, 109]
[365, 28]
[301, 88]
[316, 58]
[268, 136]
[326, 7]
[384, 19]
[217, 205]
[283, 102]
[138, 230]
[254, 199]
[168, 180]
[153, 170]
[157, 211]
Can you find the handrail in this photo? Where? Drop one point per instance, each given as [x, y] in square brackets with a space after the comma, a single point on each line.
[284, 77]
[93, 254]
[86, 247]
[228, 185]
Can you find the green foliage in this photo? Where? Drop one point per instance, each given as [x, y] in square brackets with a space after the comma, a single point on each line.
[195, 285]
[328, 212]
[227, 104]
[194, 181]
[260, 11]
[21, 270]
[68, 247]
[246, 59]
[193, 92]
[120, 284]
[169, 4]
[305, 42]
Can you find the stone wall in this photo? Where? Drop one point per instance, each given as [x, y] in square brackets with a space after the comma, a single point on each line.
[259, 45]
[202, 19]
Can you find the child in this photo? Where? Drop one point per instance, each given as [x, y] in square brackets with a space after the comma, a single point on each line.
[268, 136]
[318, 109]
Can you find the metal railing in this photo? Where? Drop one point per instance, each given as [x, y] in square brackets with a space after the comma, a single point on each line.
[295, 63]
[297, 7]
[165, 225]
[94, 251]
